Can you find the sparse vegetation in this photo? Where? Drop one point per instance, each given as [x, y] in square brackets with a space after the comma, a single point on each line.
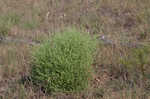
[7, 21]
[120, 71]
[138, 59]
[30, 24]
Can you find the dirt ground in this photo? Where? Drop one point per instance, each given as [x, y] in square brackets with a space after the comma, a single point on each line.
[35, 20]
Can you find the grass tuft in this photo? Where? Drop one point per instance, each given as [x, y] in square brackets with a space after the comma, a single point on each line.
[63, 63]
[7, 21]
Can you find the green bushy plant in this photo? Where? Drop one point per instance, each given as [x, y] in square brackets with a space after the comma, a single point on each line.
[63, 63]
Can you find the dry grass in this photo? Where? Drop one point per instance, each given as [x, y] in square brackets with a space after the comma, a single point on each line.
[119, 20]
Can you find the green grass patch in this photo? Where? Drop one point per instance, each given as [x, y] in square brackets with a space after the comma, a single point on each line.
[137, 63]
[63, 63]
[7, 21]
[30, 24]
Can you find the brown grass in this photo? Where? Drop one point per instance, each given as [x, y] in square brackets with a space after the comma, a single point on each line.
[119, 20]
